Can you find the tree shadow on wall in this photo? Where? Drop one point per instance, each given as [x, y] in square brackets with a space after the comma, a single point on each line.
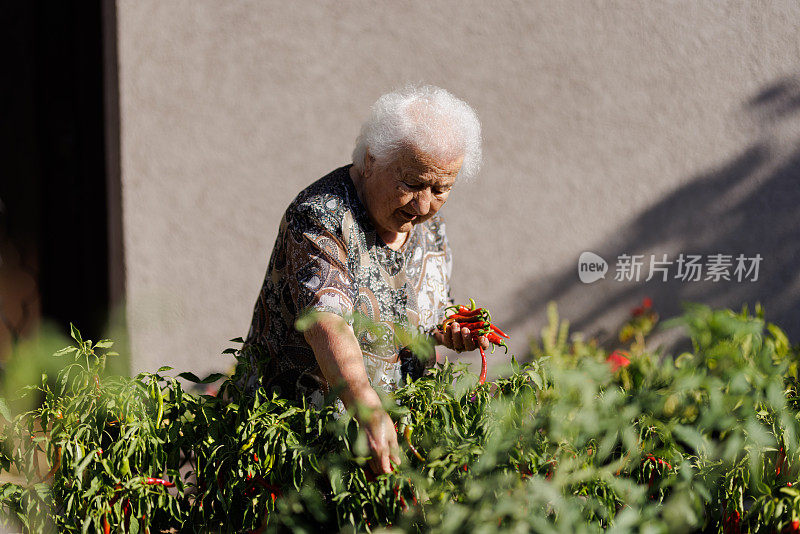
[750, 205]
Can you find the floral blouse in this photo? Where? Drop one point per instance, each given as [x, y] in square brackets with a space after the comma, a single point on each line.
[328, 257]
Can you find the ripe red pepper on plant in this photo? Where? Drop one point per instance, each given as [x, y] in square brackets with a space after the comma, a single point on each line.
[158, 482]
[659, 461]
[126, 513]
[618, 359]
[399, 497]
[56, 465]
[407, 435]
[731, 523]
[647, 303]
[117, 494]
[275, 491]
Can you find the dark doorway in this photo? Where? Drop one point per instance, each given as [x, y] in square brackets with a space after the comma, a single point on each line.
[54, 169]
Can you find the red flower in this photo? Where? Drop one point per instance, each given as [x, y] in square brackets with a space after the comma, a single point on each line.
[618, 359]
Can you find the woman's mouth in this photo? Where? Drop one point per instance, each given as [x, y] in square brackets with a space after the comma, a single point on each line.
[406, 216]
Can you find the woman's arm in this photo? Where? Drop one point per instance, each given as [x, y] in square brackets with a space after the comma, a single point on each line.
[339, 356]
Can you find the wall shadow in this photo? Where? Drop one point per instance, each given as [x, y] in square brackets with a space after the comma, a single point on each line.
[748, 205]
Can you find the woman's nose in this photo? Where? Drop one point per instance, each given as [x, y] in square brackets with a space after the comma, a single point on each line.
[422, 202]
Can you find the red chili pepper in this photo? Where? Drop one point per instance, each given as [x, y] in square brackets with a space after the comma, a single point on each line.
[106, 526]
[497, 340]
[275, 491]
[478, 325]
[407, 434]
[266, 485]
[500, 332]
[399, 497]
[482, 377]
[617, 359]
[463, 310]
[494, 338]
[158, 482]
[255, 457]
[659, 461]
[480, 312]
[56, 465]
[730, 523]
[779, 462]
[126, 513]
[117, 495]
[647, 303]
[459, 319]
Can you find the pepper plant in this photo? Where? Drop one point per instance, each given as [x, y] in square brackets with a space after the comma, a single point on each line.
[576, 439]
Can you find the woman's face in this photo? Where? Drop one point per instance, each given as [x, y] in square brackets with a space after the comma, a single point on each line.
[408, 191]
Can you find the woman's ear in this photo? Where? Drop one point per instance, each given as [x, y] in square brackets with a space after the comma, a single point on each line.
[369, 163]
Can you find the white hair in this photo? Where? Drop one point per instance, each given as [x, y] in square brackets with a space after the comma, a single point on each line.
[426, 117]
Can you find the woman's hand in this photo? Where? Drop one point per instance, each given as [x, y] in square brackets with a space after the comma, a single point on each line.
[459, 339]
[382, 440]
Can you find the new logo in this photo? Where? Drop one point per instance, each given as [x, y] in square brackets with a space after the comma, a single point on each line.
[591, 267]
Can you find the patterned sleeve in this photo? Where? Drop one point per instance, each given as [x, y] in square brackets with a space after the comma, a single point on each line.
[448, 258]
[316, 265]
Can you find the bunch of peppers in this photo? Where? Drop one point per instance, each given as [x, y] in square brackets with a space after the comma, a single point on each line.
[479, 322]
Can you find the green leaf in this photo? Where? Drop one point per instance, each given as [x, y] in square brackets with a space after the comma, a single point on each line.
[65, 351]
[84, 463]
[103, 344]
[4, 411]
[191, 377]
[75, 333]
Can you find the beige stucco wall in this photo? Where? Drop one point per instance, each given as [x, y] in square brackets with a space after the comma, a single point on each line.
[615, 127]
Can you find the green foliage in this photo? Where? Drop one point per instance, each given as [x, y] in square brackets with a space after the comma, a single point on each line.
[569, 441]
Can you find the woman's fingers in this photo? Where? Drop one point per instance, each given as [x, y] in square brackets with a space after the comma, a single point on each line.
[439, 337]
[382, 440]
[456, 338]
[459, 339]
[469, 343]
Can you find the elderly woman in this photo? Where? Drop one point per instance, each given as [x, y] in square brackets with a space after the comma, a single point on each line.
[367, 239]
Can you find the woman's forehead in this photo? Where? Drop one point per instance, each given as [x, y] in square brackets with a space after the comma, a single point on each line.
[415, 161]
